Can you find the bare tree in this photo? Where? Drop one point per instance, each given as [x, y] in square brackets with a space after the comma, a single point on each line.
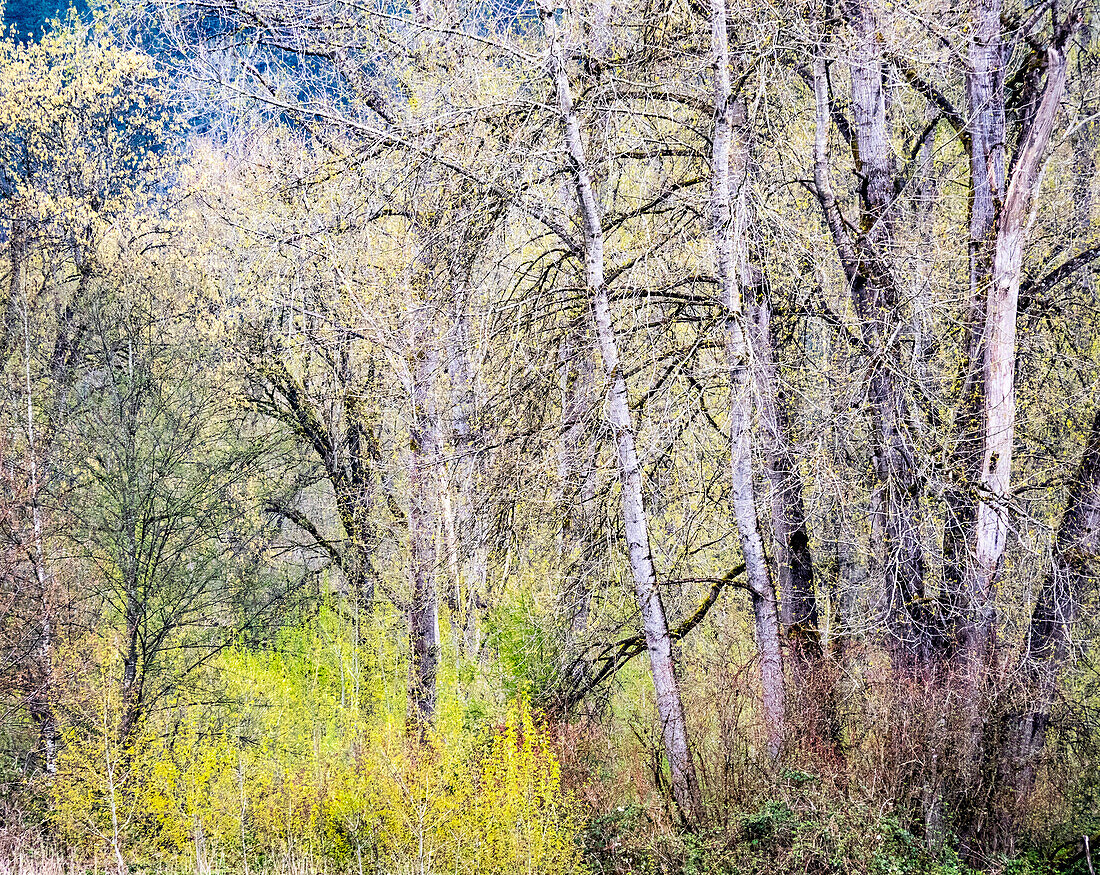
[635, 518]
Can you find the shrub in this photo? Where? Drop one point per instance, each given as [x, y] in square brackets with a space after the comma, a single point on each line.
[340, 784]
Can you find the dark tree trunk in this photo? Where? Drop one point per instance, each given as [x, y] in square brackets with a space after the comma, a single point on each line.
[423, 523]
[790, 532]
[896, 522]
[1048, 650]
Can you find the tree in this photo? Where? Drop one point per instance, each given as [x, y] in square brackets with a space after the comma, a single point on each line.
[80, 146]
[162, 478]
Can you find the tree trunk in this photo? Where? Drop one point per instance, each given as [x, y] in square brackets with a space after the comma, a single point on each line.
[576, 475]
[728, 231]
[354, 495]
[798, 599]
[899, 486]
[670, 709]
[998, 399]
[1048, 648]
[471, 557]
[131, 686]
[985, 100]
[423, 488]
[994, 397]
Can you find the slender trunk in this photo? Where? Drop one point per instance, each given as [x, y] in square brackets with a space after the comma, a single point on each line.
[848, 571]
[577, 457]
[654, 623]
[813, 677]
[131, 689]
[423, 485]
[352, 482]
[728, 220]
[112, 801]
[469, 555]
[41, 705]
[985, 105]
[1048, 648]
[576, 475]
[900, 485]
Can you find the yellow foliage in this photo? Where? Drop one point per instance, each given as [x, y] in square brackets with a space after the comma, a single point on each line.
[82, 126]
[303, 768]
[519, 819]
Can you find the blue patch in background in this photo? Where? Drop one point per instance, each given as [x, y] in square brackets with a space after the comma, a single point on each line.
[30, 16]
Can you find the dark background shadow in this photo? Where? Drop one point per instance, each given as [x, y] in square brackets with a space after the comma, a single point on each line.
[30, 16]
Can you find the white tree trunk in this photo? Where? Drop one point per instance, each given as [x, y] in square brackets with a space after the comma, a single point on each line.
[468, 553]
[728, 230]
[654, 623]
[999, 361]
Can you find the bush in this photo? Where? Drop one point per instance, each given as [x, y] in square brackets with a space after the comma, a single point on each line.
[326, 778]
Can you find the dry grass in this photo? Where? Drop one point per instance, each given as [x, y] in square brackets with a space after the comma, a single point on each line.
[39, 861]
[19, 856]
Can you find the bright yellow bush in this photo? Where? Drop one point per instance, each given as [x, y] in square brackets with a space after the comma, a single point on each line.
[161, 796]
[301, 767]
[438, 807]
[518, 820]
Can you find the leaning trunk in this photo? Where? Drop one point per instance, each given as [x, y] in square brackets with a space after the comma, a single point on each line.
[998, 401]
[654, 623]
[995, 420]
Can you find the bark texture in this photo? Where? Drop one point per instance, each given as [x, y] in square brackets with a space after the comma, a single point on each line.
[790, 530]
[728, 233]
[998, 397]
[670, 708]
[896, 521]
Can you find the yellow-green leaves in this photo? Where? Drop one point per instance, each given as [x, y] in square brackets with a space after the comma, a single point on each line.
[82, 128]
